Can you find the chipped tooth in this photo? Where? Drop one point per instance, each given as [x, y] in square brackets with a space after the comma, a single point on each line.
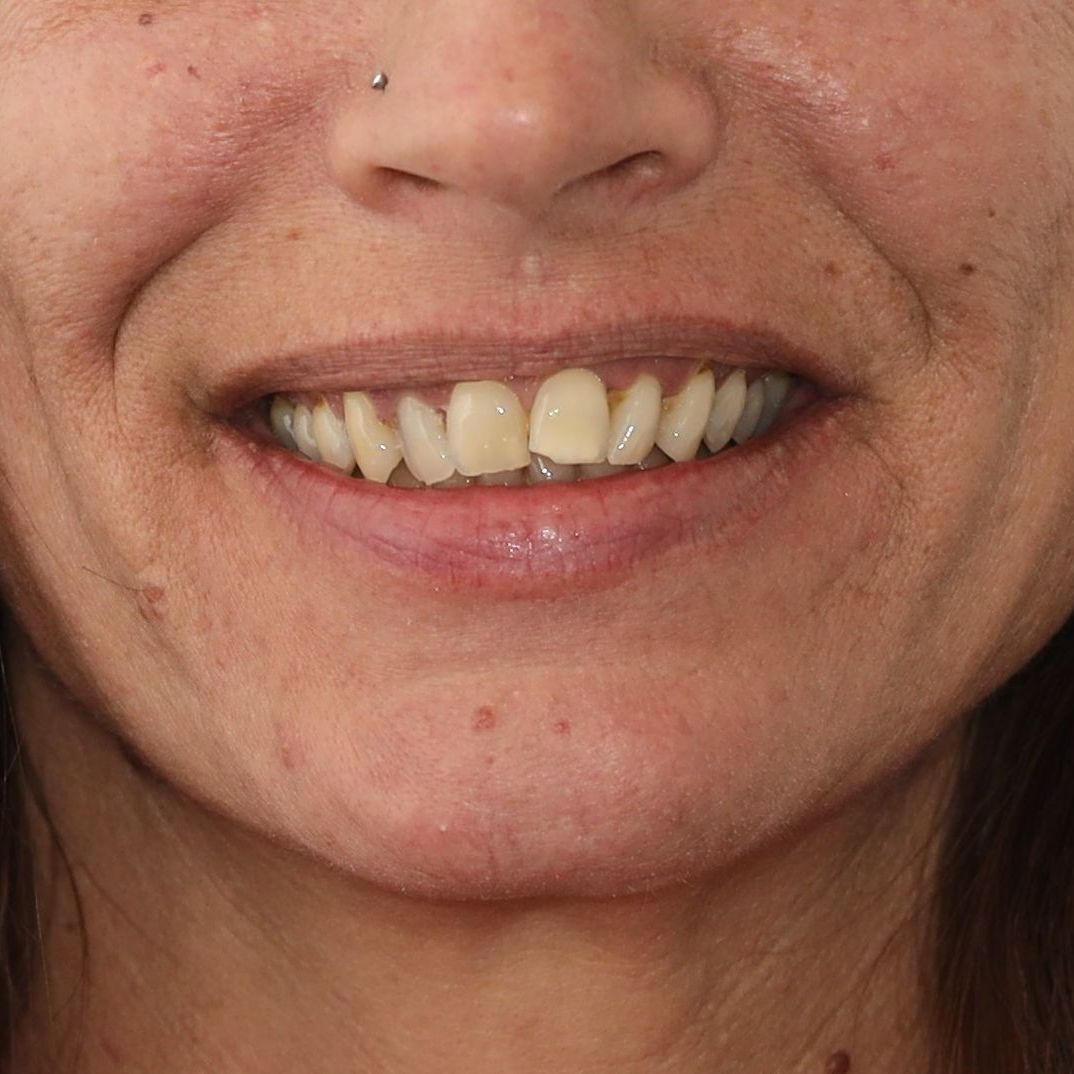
[654, 460]
[777, 387]
[402, 478]
[543, 471]
[377, 447]
[751, 413]
[600, 469]
[685, 417]
[569, 422]
[504, 479]
[425, 443]
[727, 406]
[635, 418]
[486, 428]
[282, 420]
[330, 435]
[302, 429]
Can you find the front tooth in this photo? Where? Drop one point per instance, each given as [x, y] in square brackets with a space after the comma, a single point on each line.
[543, 471]
[727, 408]
[569, 422]
[635, 418]
[425, 442]
[330, 435]
[685, 417]
[282, 420]
[302, 429]
[486, 428]
[505, 479]
[377, 447]
[751, 413]
[777, 387]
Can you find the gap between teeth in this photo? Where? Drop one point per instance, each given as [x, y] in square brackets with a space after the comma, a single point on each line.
[576, 429]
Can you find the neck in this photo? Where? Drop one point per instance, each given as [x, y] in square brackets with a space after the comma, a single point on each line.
[209, 949]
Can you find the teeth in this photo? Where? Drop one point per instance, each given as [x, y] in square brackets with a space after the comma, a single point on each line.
[727, 408]
[486, 428]
[402, 478]
[425, 443]
[569, 422]
[654, 460]
[635, 418]
[751, 413]
[376, 446]
[543, 471]
[330, 435]
[282, 419]
[777, 387]
[685, 416]
[504, 479]
[302, 429]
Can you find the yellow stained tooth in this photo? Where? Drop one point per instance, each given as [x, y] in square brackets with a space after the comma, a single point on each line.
[486, 428]
[685, 417]
[377, 447]
[569, 422]
[425, 442]
[751, 413]
[302, 428]
[635, 418]
[727, 407]
[330, 435]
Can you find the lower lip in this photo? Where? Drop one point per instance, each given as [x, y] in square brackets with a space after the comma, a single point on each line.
[529, 541]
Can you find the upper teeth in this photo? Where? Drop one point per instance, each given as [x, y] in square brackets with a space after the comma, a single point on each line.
[575, 426]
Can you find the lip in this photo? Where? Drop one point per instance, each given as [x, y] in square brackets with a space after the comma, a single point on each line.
[530, 542]
[435, 357]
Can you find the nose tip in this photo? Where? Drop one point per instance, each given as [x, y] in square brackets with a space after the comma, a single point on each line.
[498, 105]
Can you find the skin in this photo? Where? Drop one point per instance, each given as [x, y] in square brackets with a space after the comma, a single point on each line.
[297, 846]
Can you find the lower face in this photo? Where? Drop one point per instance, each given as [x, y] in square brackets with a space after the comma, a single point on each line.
[516, 686]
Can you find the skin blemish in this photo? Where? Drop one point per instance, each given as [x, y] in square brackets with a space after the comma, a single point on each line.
[484, 719]
[562, 727]
[155, 69]
[150, 599]
[832, 270]
[146, 18]
[967, 268]
[193, 71]
[884, 162]
[838, 1064]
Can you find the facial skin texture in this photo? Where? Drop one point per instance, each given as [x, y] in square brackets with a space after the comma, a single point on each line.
[888, 184]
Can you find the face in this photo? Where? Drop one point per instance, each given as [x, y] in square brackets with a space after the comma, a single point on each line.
[570, 689]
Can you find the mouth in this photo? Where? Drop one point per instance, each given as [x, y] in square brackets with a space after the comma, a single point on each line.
[554, 468]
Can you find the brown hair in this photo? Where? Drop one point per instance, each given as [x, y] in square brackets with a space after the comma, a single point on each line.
[1003, 967]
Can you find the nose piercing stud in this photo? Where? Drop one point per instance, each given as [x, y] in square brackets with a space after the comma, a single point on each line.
[380, 81]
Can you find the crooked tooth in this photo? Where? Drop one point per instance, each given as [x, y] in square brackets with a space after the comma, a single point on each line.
[542, 471]
[569, 422]
[486, 429]
[751, 413]
[727, 407]
[282, 420]
[425, 443]
[635, 418]
[302, 429]
[330, 435]
[685, 417]
[377, 448]
[777, 387]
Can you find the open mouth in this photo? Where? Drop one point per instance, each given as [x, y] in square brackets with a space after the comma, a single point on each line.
[579, 424]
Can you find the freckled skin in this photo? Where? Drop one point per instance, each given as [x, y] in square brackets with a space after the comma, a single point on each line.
[830, 168]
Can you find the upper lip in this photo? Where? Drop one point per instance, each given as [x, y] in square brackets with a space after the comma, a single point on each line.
[434, 356]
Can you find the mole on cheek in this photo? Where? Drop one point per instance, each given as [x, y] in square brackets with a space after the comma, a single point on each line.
[146, 18]
[838, 1064]
[484, 719]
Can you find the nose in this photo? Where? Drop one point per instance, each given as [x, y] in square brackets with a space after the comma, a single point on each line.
[521, 104]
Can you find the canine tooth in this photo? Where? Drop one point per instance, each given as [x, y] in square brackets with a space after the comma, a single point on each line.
[751, 413]
[600, 469]
[504, 479]
[777, 387]
[330, 435]
[376, 446]
[543, 471]
[402, 478]
[486, 428]
[635, 418]
[425, 443]
[727, 408]
[303, 432]
[685, 416]
[569, 422]
[282, 420]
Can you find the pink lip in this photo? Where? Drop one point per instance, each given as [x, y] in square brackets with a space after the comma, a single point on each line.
[530, 541]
